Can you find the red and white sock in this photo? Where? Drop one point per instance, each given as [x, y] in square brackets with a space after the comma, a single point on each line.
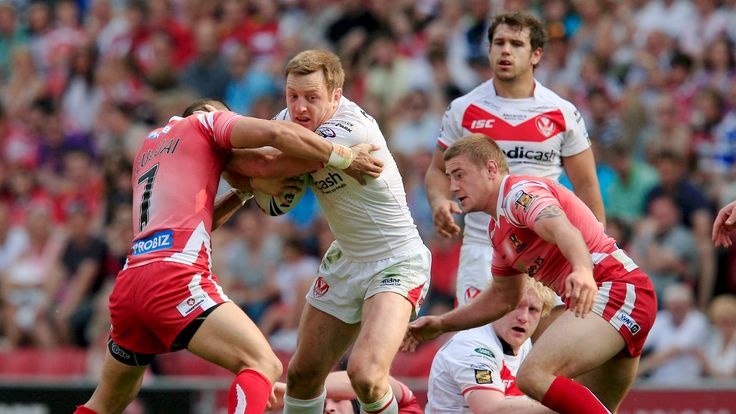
[83, 410]
[249, 393]
[568, 397]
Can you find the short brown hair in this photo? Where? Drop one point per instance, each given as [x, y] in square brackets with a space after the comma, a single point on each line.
[480, 149]
[310, 61]
[537, 32]
[199, 105]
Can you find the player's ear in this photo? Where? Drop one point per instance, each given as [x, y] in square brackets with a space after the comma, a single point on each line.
[492, 168]
[536, 56]
[337, 94]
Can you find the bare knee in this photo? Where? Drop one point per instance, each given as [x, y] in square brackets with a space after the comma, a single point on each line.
[533, 380]
[303, 381]
[368, 379]
[267, 363]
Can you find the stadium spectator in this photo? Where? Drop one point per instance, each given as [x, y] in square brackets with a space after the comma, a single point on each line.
[696, 215]
[718, 354]
[29, 283]
[677, 333]
[293, 278]
[83, 266]
[543, 229]
[663, 247]
[558, 138]
[634, 179]
[477, 368]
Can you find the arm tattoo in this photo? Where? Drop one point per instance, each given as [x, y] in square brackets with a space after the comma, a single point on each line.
[549, 212]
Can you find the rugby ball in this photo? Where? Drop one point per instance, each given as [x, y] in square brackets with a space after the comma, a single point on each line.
[284, 202]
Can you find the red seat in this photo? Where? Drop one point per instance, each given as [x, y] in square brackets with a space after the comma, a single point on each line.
[56, 362]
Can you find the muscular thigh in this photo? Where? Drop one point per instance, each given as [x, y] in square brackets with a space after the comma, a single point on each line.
[385, 318]
[228, 338]
[323, 339]
[572, 346]
[150, 305]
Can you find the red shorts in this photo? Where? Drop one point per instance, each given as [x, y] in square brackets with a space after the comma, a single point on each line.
[626, 299]
[152, 303]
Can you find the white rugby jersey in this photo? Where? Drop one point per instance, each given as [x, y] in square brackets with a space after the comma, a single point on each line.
[472, 360]
[534, 133]
[370, 222]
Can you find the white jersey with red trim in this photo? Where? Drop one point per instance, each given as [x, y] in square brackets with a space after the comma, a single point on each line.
[534, 133]
[472, 360]
[175, 178]
[370, 222]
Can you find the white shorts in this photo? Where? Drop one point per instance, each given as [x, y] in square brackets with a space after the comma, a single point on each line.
[474, 272]
[342, 284]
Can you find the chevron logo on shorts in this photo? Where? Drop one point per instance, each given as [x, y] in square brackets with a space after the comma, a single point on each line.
[320, 287]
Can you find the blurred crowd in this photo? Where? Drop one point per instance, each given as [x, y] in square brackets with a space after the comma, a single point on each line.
[83, 81]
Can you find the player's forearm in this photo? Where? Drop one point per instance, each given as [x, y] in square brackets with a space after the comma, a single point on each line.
[590, 193]
[297, 141]
[490, 305]
[225, 206]
[572, 245]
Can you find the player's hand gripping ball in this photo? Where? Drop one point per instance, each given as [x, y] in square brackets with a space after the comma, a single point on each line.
[286, 200]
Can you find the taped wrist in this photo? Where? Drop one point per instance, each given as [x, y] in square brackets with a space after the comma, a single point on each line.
[341, 156]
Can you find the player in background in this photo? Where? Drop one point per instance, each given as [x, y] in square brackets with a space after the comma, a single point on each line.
[475, 371]
[341, 398]
[166, 298]
[724, 225]
[537, 130]
[540, 228]
[374, 276]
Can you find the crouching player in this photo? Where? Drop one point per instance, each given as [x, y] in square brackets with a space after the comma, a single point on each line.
[540, 228]
[475, 372]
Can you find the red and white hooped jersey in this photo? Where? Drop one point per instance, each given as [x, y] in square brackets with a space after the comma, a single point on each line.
[175, 178]
[534, 133]
[472, 360]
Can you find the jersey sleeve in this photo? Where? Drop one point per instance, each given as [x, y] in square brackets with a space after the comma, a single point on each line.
[576, 138]
[451, 129]
[218, 125]
[522, 205]
[476, 366]
[343, 131]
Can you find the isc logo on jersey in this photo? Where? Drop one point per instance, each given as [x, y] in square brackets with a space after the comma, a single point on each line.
[482, 123]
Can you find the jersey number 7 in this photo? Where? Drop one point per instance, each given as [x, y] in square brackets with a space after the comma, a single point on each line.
[148, 177]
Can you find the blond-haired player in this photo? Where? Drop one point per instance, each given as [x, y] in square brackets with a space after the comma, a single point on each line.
[475, 372]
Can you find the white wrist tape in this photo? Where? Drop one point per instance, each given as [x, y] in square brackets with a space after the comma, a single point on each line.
[242, 195]
[341, 156]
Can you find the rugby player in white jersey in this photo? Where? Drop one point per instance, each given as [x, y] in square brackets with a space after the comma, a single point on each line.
[375, 274]
[538, 131]
[475, 372]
